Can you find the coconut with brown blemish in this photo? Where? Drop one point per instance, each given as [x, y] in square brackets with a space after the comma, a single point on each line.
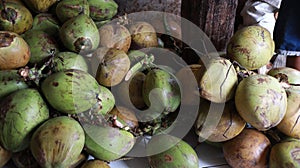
[14, 51]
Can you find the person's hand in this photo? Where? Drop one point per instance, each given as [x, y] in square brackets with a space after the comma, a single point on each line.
[276, 15]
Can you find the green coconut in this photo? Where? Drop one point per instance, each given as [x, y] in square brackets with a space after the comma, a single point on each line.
[80, 34]
[290, 125]
[173, 152]
[57, 142]
[10, 81]
[261, 101]
[285, 154]
[71, 91]
[21, 112]
[252, 47]
[69, 60]
[107, 143]
[218, 81]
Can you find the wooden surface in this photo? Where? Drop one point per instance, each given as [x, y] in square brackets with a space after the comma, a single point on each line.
[215, 17]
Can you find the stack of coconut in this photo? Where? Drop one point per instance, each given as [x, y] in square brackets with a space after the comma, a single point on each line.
[259, 125]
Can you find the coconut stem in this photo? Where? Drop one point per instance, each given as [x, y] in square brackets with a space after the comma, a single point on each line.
[35, 74]
[30, 74]
[242, 71]
[284, 81]
[123, 20]
[147, 61]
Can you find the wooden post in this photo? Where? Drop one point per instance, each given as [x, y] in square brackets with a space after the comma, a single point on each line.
[216, 18]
